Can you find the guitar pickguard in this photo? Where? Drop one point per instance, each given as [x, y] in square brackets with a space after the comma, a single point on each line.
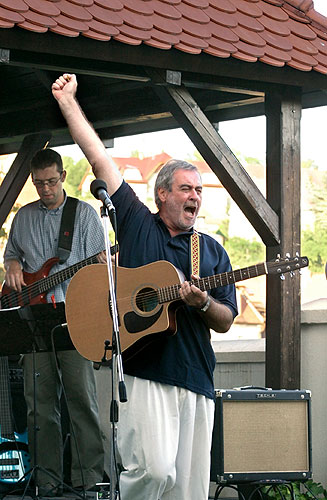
[136, 324]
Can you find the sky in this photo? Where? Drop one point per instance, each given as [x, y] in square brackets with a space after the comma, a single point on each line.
[245, 136]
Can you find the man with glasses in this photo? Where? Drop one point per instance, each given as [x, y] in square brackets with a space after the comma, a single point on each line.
[33, 239]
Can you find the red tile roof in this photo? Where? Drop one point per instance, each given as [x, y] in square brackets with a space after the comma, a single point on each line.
[147, 166]
[275, 32]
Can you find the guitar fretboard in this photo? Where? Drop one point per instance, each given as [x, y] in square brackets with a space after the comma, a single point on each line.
[170, 293]
[14, 299]
[54, 279]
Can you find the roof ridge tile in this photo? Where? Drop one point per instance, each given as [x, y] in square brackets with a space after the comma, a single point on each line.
[302, 5]
[318, 18]
[296, 14]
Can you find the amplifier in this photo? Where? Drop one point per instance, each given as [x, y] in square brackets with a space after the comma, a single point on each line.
[261, 434]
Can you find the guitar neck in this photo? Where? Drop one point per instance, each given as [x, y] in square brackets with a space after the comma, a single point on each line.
[171, 293]
[45, 284]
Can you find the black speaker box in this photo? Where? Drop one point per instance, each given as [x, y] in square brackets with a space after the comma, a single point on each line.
[261, 434]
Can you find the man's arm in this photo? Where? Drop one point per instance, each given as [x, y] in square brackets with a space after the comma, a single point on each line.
[217, 316]
[64, 91]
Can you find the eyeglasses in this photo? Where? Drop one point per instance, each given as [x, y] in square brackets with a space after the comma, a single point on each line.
[48, 182]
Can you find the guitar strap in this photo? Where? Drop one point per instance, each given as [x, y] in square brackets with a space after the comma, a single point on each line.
[66, 229]
[195, 253]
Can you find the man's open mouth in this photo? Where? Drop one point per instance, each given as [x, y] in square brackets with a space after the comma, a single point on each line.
[190, 210]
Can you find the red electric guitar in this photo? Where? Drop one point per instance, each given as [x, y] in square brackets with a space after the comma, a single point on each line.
[39, 283]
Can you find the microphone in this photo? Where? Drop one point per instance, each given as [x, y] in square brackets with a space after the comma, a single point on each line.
[99, 190]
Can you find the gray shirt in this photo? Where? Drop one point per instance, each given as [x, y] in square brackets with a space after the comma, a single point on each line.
[34, 234]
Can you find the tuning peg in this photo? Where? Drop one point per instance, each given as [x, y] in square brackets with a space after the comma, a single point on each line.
[277, 257]
[288, 255]
[282, 277]
[292, 273]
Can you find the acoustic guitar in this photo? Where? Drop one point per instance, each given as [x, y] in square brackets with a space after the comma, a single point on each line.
[14, 456]
[39, 283]
[147, 298]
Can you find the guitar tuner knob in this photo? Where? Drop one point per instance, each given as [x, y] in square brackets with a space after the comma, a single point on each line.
[292, 273]
[282, 277]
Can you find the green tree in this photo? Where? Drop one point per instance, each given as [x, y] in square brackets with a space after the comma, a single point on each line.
[314, 241]
[309, 164]
[75, 173]
[195, 156]
[314, 246]
[243, 252]
[252, 161]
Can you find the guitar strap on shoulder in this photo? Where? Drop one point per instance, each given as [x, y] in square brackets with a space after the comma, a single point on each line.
[195, 253]
[66, 229]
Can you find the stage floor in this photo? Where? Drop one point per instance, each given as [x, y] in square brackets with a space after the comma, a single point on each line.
[30, 494]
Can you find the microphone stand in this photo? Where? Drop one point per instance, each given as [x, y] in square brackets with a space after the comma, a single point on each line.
[117, 365]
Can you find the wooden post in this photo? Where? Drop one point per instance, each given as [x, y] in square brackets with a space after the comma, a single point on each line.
[283, 322]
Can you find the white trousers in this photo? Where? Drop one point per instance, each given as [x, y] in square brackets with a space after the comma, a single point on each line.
[164, 439]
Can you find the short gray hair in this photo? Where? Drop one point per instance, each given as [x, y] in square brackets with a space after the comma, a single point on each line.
[165, 177]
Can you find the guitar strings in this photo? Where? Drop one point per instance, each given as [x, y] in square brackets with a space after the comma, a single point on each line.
[13, 298]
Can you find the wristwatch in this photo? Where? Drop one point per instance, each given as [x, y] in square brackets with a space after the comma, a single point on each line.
[206, 305]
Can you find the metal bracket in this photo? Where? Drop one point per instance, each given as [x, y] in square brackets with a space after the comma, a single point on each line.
[4, 56]
[174, 77]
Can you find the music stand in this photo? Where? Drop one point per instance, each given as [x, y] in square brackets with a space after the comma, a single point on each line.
[34, 328]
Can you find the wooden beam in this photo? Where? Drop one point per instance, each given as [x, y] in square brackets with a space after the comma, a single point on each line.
[220, 158]
[283, 112]
[19, 172]
[45, 44]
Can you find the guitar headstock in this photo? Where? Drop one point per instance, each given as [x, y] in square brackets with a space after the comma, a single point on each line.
[286, 265]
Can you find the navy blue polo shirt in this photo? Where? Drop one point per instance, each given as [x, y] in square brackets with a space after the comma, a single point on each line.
[185, 359]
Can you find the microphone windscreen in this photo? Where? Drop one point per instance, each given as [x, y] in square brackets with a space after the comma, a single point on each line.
[96, 185]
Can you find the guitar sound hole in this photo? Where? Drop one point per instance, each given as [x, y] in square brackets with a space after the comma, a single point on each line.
[146, 299]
